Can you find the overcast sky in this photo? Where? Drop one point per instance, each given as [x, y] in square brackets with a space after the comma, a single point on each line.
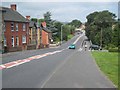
[63, 11]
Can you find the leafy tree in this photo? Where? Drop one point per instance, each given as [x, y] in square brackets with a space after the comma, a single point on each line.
[76, 23]
[116, 33]
[34, 19]
[97, 22]
[41, 20]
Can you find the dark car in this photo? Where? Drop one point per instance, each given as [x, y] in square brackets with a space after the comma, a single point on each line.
[94, 47]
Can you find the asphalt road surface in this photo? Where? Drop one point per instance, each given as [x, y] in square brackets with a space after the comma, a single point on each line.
[65, 68]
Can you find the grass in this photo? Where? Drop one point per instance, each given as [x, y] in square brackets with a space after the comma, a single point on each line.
[108, 63]
[70, 36]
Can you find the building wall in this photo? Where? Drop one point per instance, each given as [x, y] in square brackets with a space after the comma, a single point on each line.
[38, 38]
[45, 40]
[8, 35]
[33, 35]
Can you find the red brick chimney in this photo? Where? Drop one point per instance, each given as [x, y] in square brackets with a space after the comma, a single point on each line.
[44, 24]
[13, 7]
[28, 17]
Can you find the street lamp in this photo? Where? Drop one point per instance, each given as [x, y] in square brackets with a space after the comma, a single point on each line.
[101, 35]
[61, 33]
[101, 39]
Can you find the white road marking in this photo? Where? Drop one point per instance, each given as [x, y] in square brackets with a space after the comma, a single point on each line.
[18, 62]
[80, 49]
[57, 68]
[2, 66]
[77, 39]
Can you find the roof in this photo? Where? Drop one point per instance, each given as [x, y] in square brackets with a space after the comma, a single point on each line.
[32, 24]
[47, 30]
[12, 15]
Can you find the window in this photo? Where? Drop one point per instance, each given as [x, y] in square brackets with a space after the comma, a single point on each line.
[16, 26]
[5, 41]
[23, 39]
[12, 26]
[17, 41]
[24, 27]
[12, 41]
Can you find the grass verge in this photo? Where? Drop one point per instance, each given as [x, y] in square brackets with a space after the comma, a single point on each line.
[108, 63]
[70, 36]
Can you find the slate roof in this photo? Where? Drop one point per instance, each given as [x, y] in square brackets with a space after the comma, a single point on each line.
[47, 30]
[32, 24]
[12, 15]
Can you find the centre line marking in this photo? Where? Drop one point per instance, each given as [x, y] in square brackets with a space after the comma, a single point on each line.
[77, 39]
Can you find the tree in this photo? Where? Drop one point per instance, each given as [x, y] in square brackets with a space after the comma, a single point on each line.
[34, 19]
[47, 18]
[57, 25]
[76, 23]
[41, 20]
[115, 37]
[99, 24]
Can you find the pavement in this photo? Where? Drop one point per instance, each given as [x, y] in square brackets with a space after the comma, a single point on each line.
[59, 68]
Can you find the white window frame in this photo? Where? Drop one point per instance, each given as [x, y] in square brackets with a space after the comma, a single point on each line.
[12, 26]
[17, 41]
[12, 41]
[23, 39]
[5, 42]
[24, 26]
[16, 26]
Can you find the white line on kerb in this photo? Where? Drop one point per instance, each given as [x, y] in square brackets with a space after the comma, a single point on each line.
[2, 66]
[36, 57]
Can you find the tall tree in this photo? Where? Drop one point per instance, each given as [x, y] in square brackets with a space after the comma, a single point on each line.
[76, 23]
[47, 18]
[99, 27]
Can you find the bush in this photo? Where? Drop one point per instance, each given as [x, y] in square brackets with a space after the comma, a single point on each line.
[111, 46]
[113, 49]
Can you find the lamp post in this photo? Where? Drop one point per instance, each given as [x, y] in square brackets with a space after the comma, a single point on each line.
[101, 35]
[101, 40]
[61, 33]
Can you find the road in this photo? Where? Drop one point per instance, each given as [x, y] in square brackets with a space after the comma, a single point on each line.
[57, 68]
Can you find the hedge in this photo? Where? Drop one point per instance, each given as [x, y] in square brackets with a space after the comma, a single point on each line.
[113, 49]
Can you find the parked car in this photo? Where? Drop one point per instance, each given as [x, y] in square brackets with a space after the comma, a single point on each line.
[94, 47]
[72, 46]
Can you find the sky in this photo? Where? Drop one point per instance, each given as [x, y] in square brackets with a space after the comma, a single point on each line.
[63, 11]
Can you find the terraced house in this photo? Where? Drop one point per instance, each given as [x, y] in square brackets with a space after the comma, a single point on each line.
[15, 29]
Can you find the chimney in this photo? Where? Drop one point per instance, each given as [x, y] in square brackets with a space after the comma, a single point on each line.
[13, 7]
[44, 24]
[28, 17]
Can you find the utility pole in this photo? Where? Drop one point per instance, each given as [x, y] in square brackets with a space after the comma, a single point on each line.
[101, 39]
[101, 35]
[61, 33]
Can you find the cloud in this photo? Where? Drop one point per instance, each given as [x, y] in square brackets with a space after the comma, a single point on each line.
[60, 1]
[64, 11]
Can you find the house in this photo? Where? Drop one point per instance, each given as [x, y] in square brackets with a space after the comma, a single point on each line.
[44, 36]
[1, 26]
[82, 27]
[32, 34]
[16, 29]
[39, 37]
